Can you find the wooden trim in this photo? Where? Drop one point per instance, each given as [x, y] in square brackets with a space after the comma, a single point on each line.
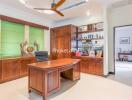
[15, 20]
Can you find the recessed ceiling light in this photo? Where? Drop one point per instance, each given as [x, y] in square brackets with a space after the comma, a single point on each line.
[88, 13]
[50, 12]
[86, 0]
[23, 1]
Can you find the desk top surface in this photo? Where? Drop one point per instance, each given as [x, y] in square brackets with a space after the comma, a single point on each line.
[54, 63]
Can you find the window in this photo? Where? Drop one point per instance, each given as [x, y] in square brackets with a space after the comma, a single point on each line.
[36, 34]
[12, 34]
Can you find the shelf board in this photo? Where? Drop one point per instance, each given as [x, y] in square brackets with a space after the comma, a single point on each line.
[94, 39]
[89, 31]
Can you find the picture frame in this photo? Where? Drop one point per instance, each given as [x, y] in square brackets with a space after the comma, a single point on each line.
[125, 40]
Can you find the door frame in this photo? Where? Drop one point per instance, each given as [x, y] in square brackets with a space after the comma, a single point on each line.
[114, 42]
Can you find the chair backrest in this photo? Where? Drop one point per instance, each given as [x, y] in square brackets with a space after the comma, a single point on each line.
[41, 56]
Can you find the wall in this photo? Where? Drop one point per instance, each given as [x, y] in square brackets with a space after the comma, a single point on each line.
[79, 21]
[117, 17]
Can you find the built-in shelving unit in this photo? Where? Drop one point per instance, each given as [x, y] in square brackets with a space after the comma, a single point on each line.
[90, 38]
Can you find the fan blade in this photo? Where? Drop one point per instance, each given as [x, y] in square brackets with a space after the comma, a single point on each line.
[41, 9]
[73, 5]
[58, 4]
[58, 12]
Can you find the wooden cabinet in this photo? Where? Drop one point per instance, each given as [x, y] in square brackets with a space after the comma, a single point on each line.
[10, 69]
[61, 41]
[95, 27]
[13, 68]
[91, 65]
[24, 65]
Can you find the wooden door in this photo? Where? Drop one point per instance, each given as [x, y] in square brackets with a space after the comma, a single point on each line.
[60, 43]
[67, 42]
[10, 69]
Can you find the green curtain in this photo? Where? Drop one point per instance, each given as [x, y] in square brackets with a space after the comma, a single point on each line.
[36, 34]
[12, 34]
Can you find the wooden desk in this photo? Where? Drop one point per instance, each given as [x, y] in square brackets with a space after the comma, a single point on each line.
[44, 77]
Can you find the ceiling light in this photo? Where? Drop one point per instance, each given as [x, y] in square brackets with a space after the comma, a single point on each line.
[86, 0]
[50, 12]
[23, 1]
[88, 13]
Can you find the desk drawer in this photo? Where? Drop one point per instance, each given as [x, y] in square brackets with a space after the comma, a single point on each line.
[67, 67]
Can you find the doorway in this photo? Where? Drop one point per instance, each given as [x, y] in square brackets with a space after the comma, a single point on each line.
[123, 54]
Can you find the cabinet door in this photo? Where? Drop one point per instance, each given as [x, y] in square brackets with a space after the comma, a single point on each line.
[24, 65]
[92, 64]
[99, 67]
[10, 69]
[84, 66]
[67, 41]
[53, 79]
[53, 44]
[60, 43]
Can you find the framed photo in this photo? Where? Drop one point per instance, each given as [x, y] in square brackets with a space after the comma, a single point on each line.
[125, 40]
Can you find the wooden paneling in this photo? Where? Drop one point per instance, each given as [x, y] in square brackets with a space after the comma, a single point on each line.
[24, 65]
[10, 69]
[91, 65]
[61, 41]
[36, 77]
[10, 19]
[13, 68]
[53, 80]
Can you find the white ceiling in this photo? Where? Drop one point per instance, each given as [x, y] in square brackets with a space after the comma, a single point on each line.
[94, 6]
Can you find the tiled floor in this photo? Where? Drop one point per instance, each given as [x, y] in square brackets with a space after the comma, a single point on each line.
[89, 87]
[123, 73]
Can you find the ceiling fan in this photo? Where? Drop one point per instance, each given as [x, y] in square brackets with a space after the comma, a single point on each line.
[54, 7]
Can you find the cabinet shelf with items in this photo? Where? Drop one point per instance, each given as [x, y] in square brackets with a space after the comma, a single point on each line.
[90, 42]
[96, 27]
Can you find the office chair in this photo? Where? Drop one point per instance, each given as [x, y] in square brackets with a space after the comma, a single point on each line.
[41, 56]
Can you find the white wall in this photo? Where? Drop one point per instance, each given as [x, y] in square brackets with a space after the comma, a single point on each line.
[117, 17]
[79, 21]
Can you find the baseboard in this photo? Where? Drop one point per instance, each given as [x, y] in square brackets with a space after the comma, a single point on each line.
[112, 73]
